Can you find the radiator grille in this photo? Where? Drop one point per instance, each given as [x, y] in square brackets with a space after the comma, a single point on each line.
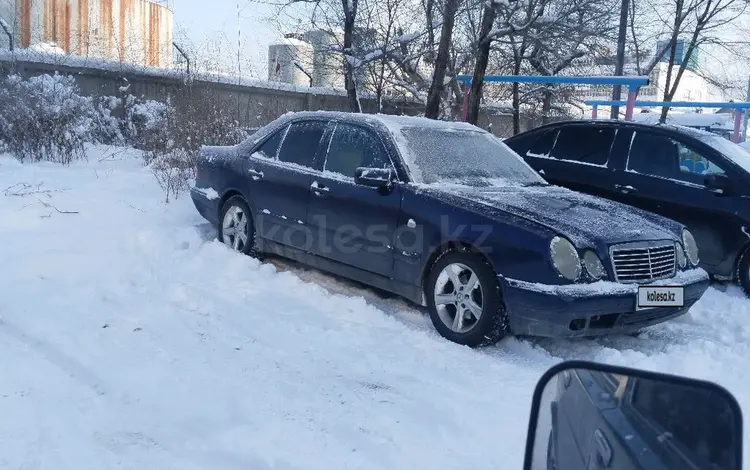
[643, 264]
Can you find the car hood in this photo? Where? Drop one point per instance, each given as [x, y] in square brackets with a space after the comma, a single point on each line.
[585, 219]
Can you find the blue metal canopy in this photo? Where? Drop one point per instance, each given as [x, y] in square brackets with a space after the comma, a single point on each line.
[675, 104]
[590, 80]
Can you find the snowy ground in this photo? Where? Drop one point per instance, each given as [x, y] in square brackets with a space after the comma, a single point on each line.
[131, 339]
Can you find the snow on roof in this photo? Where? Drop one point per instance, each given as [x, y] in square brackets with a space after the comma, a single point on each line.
[391, 120]
[712, 120]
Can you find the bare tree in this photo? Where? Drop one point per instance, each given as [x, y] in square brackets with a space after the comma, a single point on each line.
[698, 21]
[581, 26]
[499, 19]
[432, 109]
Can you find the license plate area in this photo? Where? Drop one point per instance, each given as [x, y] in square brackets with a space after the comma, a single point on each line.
[660, 297]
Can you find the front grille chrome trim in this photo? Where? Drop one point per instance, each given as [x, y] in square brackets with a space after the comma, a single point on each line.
[643, 262]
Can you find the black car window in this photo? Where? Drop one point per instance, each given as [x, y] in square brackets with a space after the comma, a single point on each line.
[584, 144]
[699, 421]
[653, 154]
[693, 163]
[658, 155]
[270, 147]
[542, 144]
[301, 142]
[353, 147]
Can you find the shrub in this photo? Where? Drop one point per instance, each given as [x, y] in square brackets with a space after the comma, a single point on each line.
[45, 118]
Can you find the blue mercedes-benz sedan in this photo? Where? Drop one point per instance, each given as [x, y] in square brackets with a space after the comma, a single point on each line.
[447, 216]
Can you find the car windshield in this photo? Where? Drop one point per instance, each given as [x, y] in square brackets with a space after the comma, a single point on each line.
[732, 151]
[438, 155]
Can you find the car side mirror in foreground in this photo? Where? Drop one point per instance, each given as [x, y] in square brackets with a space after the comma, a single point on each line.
[374, 177]
[719, 184]
[594, 416]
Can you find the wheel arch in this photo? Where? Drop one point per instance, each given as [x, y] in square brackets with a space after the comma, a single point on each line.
[229, 193]
[738, 257]
[453, 245]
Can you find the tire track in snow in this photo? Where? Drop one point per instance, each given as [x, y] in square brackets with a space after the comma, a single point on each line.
[69, 365]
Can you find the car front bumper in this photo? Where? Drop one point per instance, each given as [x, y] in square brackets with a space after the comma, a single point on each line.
[584, 310]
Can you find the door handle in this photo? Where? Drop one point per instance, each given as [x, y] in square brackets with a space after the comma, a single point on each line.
[318, 189]
[602, 452]
[627, 189]
[256, 175]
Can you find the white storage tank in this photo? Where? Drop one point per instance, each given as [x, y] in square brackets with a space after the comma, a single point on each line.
[129, 31]
[282, 57]
[328, 65]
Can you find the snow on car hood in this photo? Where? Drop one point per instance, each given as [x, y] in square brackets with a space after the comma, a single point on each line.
[584, 219]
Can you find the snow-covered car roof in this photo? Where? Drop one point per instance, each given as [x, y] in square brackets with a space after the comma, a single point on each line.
[389, 120]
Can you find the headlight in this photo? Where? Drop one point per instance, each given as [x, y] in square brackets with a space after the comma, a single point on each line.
[691, 248]
[680, 255]
[565, 258]
[593, 265]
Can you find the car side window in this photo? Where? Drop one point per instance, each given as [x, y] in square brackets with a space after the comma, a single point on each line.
[270, 147]
[692, 416]
[582, 144]
[653, 154]
[301, 142]
[694, 163]
[542, 145]
[353, 147]
[658, 155]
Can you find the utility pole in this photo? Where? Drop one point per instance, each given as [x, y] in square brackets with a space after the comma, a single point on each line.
[620, 60]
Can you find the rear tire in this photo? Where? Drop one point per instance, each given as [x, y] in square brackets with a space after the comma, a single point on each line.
[464, 299]
[743, 272]
[236, 227]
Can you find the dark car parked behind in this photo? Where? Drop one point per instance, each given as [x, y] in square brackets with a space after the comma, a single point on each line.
[449, 217]
[697, 178]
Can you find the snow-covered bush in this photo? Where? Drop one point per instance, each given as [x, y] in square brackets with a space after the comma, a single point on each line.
[106, 126]
[171, 135]
[45, 118]
[144, 124]
[173, 170]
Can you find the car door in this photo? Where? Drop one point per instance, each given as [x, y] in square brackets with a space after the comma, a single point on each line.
[279, 182]
[666, 176]
[354, 224]
[590, 433]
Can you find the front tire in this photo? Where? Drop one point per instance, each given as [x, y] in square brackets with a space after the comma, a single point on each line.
[464, 300]
[236, 228]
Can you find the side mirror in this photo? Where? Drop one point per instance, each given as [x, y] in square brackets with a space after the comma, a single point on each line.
[719, 184]
[374, 177]
[588, 415]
